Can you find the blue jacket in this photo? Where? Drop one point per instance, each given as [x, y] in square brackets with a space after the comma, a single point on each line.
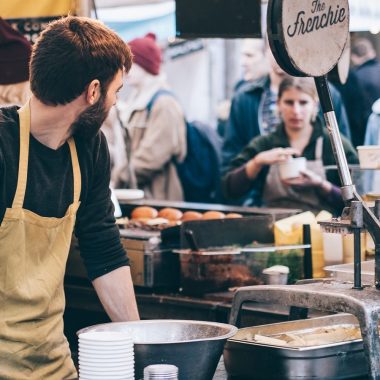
[243, 123]
[372, 137]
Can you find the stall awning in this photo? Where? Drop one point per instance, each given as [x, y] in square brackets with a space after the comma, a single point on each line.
[365, 15]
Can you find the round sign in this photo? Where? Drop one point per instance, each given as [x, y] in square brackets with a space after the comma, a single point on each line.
[308, 37]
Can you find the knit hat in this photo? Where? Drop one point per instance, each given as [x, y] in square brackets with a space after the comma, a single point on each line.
[146, 53]
[15, 52]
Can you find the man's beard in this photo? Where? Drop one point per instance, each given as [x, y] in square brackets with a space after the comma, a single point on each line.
[88, 123]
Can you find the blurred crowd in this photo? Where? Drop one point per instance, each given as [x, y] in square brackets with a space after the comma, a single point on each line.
[271, 119]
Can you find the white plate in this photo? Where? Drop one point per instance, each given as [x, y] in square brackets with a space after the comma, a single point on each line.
[108, 346]
[89, 377]
[105, 349]
[106, 375]
[104, 360]
[100, 370]
[105, 336]
[100, 364]
[129, 194]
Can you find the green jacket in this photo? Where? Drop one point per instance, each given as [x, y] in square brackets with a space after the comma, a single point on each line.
[280, 139]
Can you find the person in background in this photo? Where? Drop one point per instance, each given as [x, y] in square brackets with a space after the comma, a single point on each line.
[254, 113]
[353, 97]
[119, 144]
[254, 65]
[367, 69]
[300, 133]
[253, 61]
[54, 179]
[15, 52]
[155, 123]
[371, 178]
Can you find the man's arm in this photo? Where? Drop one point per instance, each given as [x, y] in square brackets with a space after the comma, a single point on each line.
[116, 293]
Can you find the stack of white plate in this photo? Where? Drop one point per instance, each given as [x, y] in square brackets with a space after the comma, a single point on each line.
[161, 372]
[106, 356]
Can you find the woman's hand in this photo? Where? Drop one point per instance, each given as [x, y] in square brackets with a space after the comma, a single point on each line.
[276, 155]
[268, 157]
[308, 179]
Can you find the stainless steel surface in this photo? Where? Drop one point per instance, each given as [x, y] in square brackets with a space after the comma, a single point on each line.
[274, 248]
[325, 295]
[345, 272]
[209, 251]
[331, 297]
[194, 347]
[343, 360]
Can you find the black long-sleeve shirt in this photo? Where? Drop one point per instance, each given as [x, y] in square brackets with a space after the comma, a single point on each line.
[49, 190]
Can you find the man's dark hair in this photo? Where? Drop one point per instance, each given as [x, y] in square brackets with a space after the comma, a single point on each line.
[362, 47]
[70, 53]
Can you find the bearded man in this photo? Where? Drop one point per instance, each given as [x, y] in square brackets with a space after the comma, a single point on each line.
[54, 179]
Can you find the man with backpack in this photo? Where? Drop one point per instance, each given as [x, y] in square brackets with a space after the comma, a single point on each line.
[157, 131]
[173, 159]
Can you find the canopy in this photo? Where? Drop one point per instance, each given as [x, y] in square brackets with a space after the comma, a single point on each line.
[364, 15]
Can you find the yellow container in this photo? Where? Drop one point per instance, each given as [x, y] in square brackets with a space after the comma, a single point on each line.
[290, 231]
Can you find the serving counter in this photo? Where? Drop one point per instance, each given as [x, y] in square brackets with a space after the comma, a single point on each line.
[160, 299]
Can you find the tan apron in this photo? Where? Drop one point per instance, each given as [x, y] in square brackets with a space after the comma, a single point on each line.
[276, 194]
[33, 254]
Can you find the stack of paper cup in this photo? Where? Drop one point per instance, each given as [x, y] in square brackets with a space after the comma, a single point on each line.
[106, 356]
[161, 371]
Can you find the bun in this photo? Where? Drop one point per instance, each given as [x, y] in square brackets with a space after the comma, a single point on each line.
[171, 214]
[213, 215]
[233, 215]
[144, 212]
[191, 215]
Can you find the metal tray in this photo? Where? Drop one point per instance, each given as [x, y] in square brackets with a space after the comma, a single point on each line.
[345, 272]
[247, 360]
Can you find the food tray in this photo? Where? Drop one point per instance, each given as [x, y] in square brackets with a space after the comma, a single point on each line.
[343, 360]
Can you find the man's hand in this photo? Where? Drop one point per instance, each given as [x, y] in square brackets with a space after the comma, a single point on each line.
[116, 293]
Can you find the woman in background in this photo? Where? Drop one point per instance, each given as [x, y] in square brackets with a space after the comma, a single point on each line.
[300, 133]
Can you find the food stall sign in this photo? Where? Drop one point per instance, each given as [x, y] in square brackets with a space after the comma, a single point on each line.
[30, 17]
[32, 9]
[310, 24]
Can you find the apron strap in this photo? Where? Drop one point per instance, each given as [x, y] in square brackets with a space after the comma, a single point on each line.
[24, 116]
[18, 201]
[76, 170]
[319, 148]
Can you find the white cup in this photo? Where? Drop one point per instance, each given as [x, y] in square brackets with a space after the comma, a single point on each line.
[292, 167]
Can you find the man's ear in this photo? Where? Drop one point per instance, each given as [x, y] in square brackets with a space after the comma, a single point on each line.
[93, 91]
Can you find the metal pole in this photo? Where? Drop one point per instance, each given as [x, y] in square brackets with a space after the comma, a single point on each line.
[336, 141]
[357, 260]
[307, 259]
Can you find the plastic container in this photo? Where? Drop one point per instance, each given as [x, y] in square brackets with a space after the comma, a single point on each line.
[257, 262]
[369, 156]
[202, 273]
[276, 275]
